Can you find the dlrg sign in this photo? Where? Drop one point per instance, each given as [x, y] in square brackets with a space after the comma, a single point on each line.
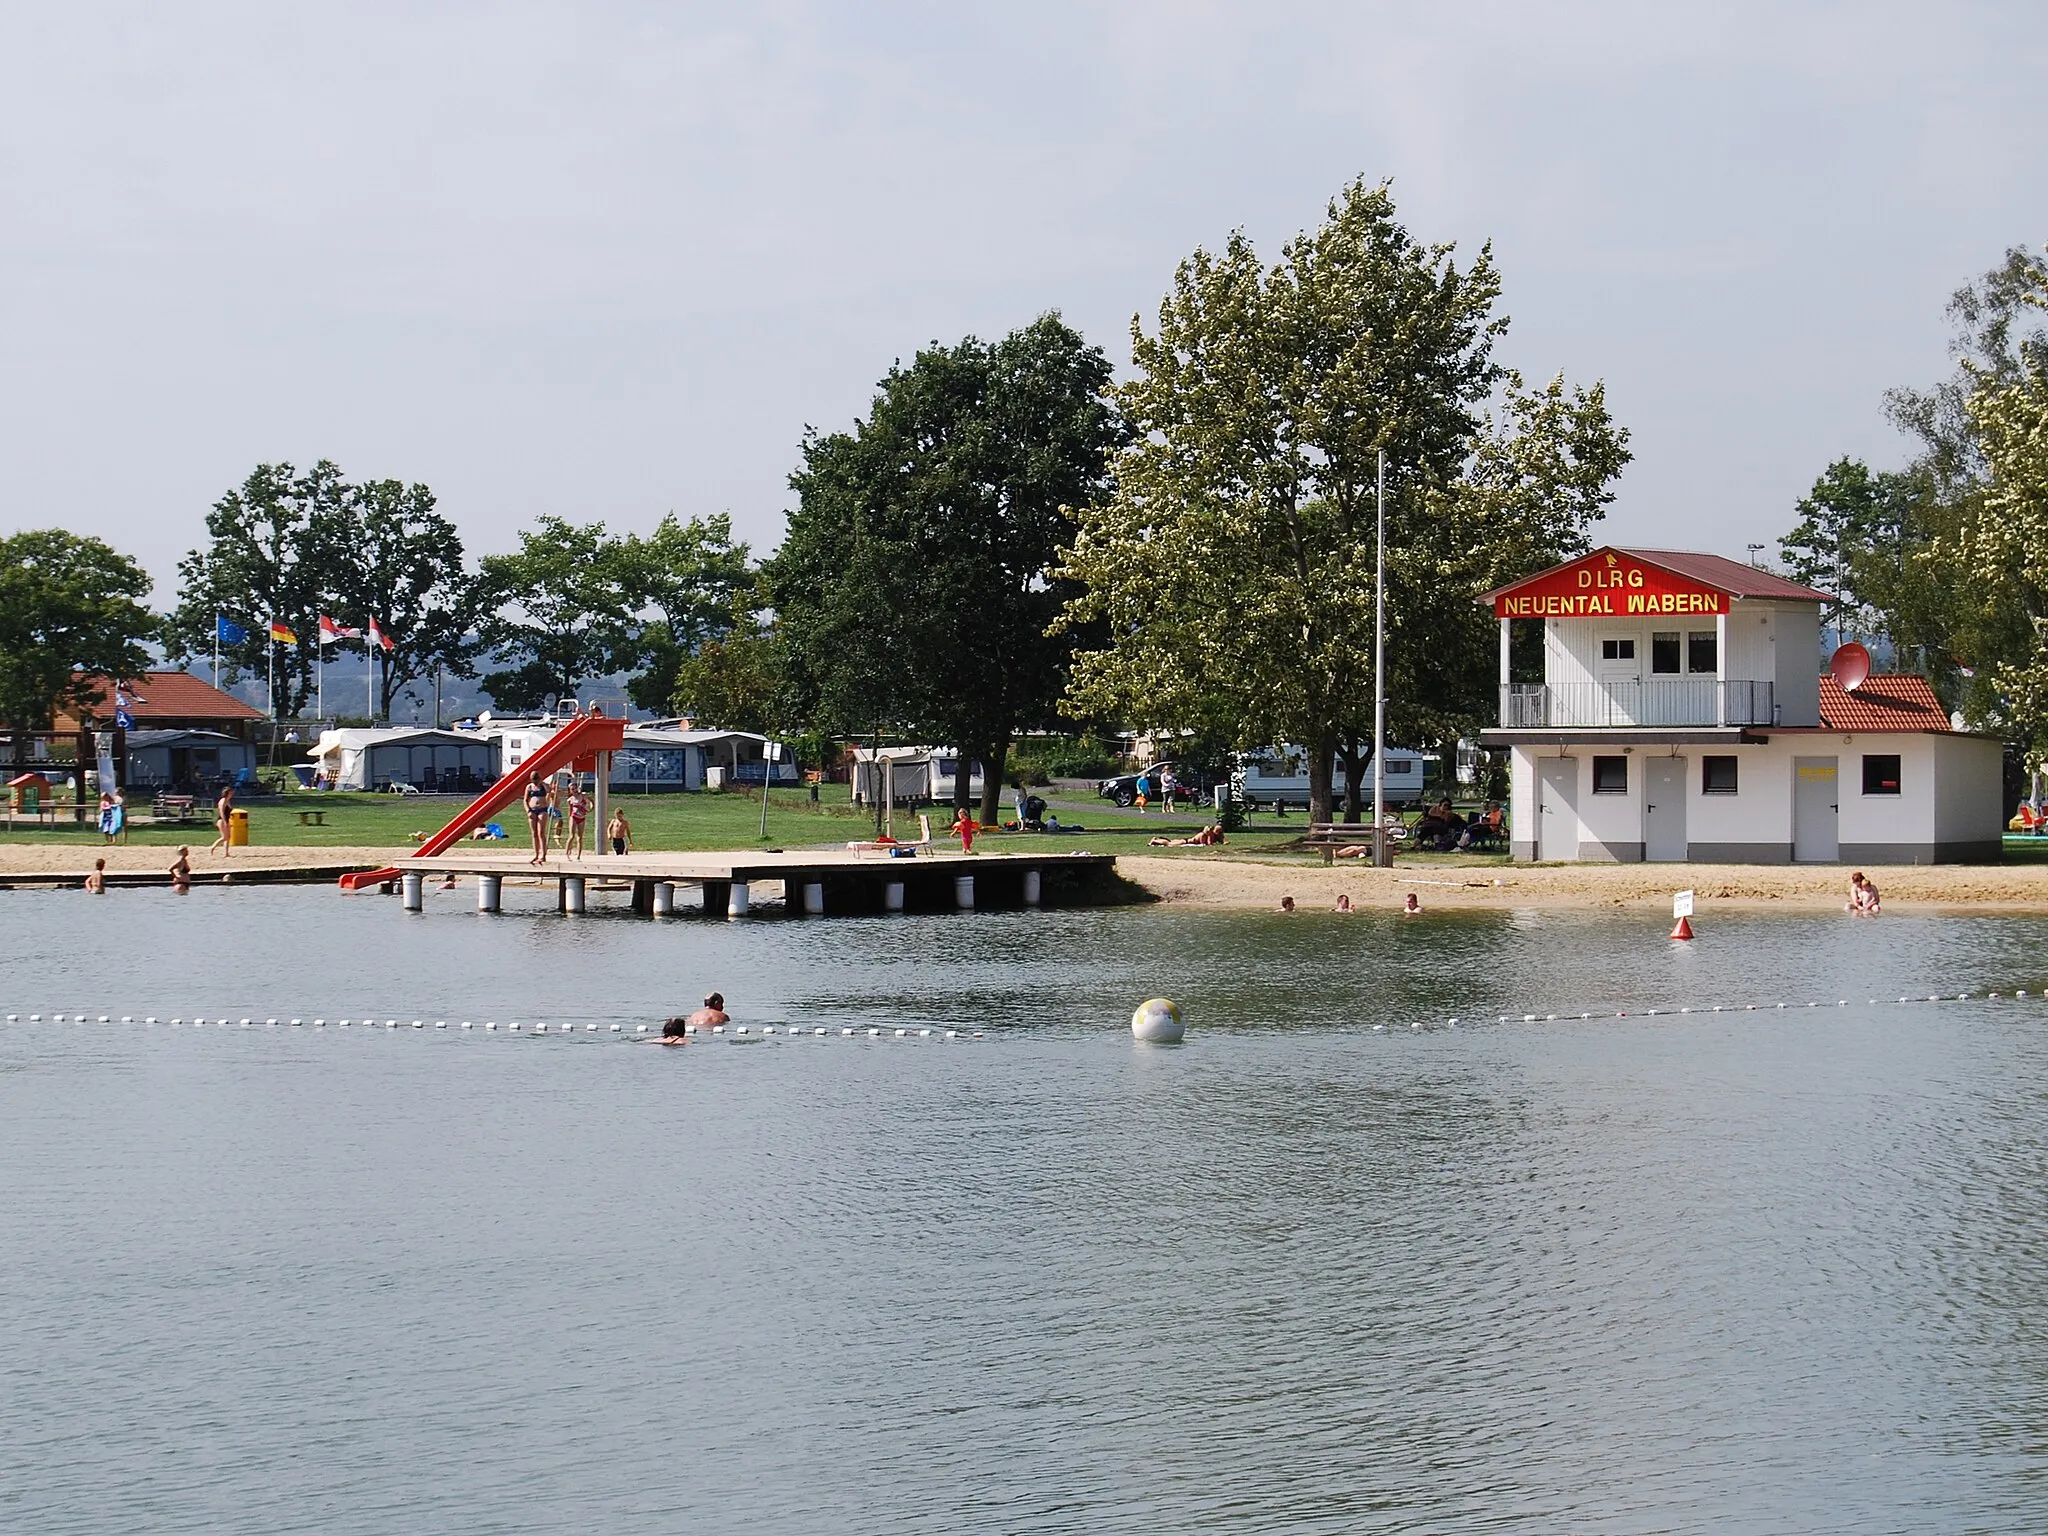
[1606, 584]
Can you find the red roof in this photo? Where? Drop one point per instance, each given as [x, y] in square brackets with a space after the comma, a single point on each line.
[1733, 577]
[174, 696]
[1889, 701]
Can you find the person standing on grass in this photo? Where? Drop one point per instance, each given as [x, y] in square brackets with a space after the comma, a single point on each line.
[579, 812]
[620, 832]
[537, 817]
[223, 819]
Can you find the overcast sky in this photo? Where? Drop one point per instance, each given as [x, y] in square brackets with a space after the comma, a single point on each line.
[608, 260]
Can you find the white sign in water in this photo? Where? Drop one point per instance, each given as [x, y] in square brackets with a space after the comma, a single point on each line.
[1681, 904]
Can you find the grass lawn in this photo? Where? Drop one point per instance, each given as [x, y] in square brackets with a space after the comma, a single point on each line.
[681, 823]
[687, 823]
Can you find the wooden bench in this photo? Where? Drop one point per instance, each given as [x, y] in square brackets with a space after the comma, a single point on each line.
[1329, 836]
[313, 818]
[172, 807]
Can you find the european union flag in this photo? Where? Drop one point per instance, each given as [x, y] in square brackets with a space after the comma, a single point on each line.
[228, 632]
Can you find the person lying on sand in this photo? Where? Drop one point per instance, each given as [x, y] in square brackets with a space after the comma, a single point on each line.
[1208, 837]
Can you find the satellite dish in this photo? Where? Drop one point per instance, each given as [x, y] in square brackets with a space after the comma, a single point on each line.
[1850, 666]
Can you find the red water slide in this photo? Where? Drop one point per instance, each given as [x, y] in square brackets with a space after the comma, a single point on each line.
[574, 746]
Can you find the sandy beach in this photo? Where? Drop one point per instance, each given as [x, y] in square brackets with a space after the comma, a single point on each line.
[1234, 880]
[1225, 881]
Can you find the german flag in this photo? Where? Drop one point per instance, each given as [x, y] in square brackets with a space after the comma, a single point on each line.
[282, 633]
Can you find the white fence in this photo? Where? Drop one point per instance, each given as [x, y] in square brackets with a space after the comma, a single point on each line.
[1659, 702]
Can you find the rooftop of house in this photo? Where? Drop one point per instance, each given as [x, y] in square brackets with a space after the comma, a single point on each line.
[158, 696]
[1887, 701]
[1717, 572]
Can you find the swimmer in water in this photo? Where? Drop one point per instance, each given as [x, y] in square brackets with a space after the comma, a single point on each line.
[1343, 902]
[675, 1031]
[96, 882]
[713, 1012]
[1412, 908]
[1286, 903]
[181, 870]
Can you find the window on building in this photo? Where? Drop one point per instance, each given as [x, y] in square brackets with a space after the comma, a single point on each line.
[1880, 773]
[1610, 775]
[1664, 652]
[1617, 650]
[1702, 653]
[1717, 775]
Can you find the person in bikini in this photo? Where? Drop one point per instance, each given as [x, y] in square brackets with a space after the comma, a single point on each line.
[537, 817]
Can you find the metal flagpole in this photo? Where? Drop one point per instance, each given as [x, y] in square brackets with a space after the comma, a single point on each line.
[216, 650]
[270, 664]
[320, 672]
[370, 656]
[1379, 679]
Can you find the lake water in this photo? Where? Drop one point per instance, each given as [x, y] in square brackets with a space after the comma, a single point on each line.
[1774, 1271]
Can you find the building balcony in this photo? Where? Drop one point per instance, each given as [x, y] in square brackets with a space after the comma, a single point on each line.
[1660, 702]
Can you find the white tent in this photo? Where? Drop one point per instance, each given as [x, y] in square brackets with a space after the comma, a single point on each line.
[429, 760]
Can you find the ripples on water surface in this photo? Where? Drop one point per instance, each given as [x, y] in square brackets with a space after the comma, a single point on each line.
[1772, 1272]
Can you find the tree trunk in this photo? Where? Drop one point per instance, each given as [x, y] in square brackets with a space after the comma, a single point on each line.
[1356, 758]
[992, 784]
[1320, 751]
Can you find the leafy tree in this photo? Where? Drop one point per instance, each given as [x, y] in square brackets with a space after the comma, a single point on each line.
[917, 584]
[68, 605]
[693, 575]
[560, 608]
[733, 682]
[267, 557]
[387, 554]
[1853, 528]
[1234, 567]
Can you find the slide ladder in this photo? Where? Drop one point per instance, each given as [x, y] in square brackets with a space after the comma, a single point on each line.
[574, 746]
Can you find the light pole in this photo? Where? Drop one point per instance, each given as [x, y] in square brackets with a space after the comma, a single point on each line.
[1379, 674]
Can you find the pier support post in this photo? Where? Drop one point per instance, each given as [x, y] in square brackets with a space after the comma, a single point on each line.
[415, 891]
[736, 903]
[892, 896]
[1033, 888]
[814, 899]
[664, 898]
[572, 893]
[716, 894]
[643, 896]
[963, 892]
[490, 891]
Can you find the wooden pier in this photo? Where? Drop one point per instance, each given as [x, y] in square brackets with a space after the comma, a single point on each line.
[810, 882]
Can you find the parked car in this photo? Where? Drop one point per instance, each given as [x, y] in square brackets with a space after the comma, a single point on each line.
[1123, 789]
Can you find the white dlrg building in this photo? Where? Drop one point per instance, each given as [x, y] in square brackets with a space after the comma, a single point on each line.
[1683, 716]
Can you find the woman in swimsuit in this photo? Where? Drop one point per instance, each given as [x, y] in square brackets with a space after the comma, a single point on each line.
[579, 812]
[537, 817]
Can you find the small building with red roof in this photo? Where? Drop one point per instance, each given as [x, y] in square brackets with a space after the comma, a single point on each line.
[1684, 715]
[165, 701]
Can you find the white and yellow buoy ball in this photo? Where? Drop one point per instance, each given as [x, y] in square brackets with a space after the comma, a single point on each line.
[1158, 1020]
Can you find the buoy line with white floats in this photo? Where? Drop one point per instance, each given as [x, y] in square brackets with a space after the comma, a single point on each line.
[556, 1029]
[1157, 1020]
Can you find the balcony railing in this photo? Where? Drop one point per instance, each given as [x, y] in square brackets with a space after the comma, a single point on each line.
[1659, 702]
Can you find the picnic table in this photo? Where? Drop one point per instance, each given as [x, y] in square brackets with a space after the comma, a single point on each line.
[172, 807]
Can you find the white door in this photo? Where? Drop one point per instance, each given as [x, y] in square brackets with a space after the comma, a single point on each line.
[1816, 810]
[1664, 810]
[1620, 671]
[1557, 808]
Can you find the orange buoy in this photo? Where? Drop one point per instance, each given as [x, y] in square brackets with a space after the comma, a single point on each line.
[1682, 929]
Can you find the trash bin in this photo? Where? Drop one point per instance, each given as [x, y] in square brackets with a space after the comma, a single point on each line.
[238, 828]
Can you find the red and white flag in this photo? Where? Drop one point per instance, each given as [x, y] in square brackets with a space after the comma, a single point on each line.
[331, 631]
[379, 638]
